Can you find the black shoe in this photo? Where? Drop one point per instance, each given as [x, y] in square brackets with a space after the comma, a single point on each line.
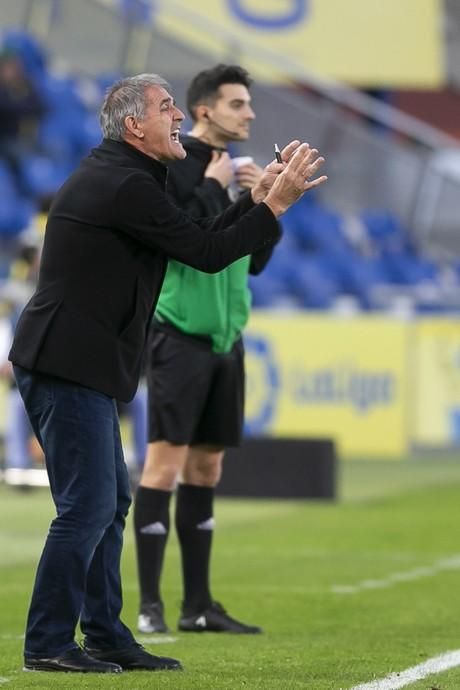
[74, 660]
[215, 619]
[135, 658]
[151, 618]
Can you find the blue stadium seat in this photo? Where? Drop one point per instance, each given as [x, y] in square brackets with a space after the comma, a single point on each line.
[381, 224]
[62, 95]
[315, 227]
[360, 276]
[15, 215]
[314, 282]
[8, 187]
[280, 266]
[269, 292]
[88, 134]
[42, 177]
[68, 139]
[70, 129]
[405, 268]
[54, 138]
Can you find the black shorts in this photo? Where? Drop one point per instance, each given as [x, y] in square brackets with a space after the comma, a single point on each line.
[196, 396]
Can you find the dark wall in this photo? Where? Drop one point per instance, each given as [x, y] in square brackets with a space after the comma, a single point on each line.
[280, 468]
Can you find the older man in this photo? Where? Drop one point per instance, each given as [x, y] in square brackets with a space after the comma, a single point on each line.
[79, 343]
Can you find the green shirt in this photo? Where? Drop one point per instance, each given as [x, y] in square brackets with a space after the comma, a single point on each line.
[199, 303]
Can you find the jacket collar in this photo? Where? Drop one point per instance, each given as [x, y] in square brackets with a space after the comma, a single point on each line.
[199, 146]
[120, 152]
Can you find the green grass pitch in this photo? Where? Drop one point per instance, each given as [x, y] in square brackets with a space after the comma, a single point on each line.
[277, 564]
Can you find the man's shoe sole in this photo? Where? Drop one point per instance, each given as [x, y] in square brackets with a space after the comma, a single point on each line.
[215, 619]
[55, 668]
[135, 658]
[224, 631]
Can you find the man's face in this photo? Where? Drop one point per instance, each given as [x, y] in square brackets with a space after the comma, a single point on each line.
[232, 111]
[161, 126]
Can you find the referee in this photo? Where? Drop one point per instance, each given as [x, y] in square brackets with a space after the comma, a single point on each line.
[195, 369]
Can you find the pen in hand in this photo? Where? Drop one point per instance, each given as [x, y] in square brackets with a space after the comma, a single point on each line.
[278, 154]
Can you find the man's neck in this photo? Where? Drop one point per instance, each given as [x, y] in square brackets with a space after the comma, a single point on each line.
[208, 136]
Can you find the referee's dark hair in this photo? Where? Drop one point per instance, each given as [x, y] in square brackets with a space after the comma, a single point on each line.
[204, 87]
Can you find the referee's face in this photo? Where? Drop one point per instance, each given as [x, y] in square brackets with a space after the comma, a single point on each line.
[161, 126]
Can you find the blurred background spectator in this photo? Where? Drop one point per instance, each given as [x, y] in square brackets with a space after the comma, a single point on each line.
[21, 109]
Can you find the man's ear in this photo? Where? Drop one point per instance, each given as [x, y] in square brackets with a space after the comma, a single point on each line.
[202, 113]
[133, 128]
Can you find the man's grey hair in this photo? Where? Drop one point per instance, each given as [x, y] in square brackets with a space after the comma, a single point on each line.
[126, 97]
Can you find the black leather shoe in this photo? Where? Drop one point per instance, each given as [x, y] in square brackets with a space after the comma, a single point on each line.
[215, 619]
[73, 660]
[135, 658]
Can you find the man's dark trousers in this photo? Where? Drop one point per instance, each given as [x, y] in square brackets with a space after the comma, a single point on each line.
[79, 571]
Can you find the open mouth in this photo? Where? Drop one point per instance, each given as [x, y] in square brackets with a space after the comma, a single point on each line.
[175, 135]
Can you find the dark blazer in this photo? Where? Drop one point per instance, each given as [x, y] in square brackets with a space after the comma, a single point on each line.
[110, 231]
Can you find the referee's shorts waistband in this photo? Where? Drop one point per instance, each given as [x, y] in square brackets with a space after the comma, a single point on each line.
[167, 327]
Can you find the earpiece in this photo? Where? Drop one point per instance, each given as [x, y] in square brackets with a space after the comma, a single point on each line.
[228, 132]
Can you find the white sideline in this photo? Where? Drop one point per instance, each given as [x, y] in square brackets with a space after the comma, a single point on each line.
[410, 675]
[451, 563]
[4, 680]
[160, 639]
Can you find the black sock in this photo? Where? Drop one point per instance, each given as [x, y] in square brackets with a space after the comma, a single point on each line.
[151, 528]
[194, 525]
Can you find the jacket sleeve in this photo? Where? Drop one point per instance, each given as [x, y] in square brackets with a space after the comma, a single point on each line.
[260, 259]
[208, 198]
[143, 211]
[205, 200]
[231, 214]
